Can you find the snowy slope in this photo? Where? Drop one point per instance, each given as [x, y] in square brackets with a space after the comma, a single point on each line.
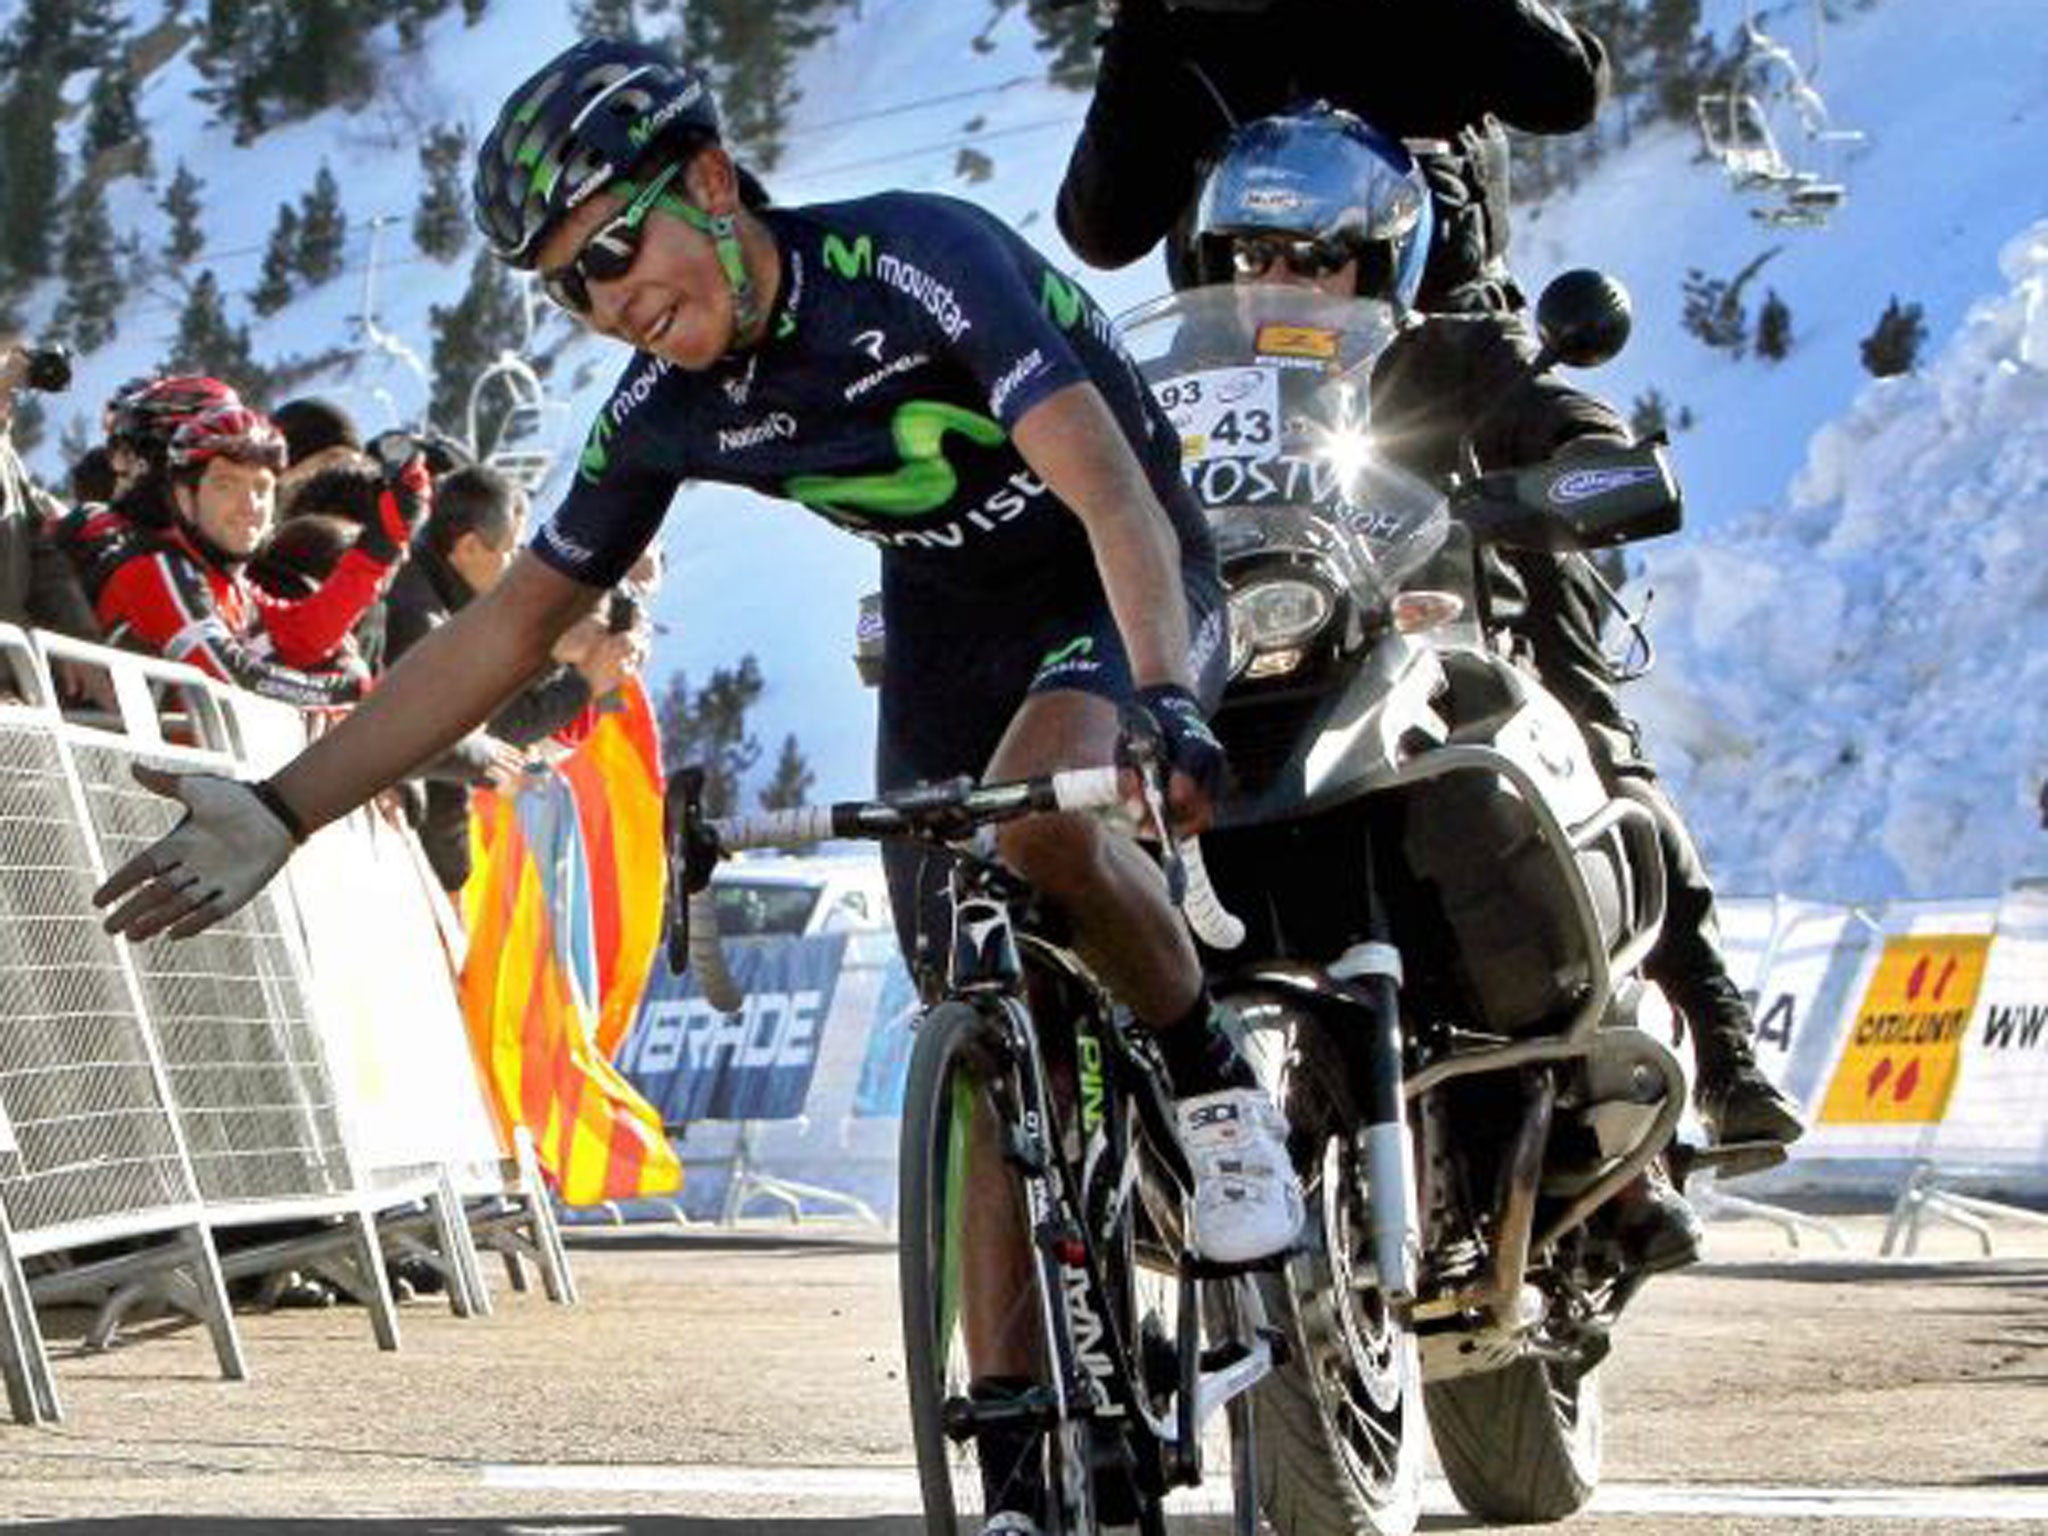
[1955, 101]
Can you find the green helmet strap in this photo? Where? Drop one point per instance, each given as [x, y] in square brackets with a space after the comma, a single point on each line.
[723, 229]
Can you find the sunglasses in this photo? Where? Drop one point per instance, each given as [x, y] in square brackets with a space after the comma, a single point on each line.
[610, 250]
[1254, 256]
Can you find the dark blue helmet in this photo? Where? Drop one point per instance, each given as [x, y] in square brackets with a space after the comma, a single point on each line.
[585, 118]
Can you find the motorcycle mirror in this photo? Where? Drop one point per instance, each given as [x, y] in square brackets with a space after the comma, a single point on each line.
[1584, 318]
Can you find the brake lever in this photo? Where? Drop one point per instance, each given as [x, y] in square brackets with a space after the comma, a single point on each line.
[690, 853]
[1140, 749]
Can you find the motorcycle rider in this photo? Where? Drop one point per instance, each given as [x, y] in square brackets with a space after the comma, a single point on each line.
[908, 367]
[1176, 78]
[1354, 216]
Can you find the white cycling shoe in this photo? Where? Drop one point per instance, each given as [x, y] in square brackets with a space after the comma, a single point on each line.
[1007, 1522]
[1248, 1202]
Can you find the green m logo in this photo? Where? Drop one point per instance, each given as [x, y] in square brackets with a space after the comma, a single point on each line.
[850, 261]
[1076, 649]
[925, 483]
[1063, 300]
[597, 451]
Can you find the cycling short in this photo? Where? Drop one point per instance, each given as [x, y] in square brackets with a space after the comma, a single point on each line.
[956, 672]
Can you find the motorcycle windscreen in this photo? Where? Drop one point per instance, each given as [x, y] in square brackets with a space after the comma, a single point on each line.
[1268, 389]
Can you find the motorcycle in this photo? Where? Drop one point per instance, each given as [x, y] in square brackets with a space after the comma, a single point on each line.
[1447, 915]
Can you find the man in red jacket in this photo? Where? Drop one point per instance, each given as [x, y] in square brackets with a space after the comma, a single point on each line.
[185, 593]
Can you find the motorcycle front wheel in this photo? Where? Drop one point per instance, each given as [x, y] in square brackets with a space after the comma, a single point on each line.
[1340, 1426]
[1520, 1445]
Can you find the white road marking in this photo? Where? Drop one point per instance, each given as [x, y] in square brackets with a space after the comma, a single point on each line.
[830, 1490]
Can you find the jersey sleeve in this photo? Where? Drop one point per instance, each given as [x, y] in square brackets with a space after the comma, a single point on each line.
[160, 602]
[618, 498]
[307, 631]
[993, 305]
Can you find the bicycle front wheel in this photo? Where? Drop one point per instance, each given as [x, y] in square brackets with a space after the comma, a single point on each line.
[976, 1307]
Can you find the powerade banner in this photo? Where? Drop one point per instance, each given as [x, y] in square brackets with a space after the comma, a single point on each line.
[693, 1063]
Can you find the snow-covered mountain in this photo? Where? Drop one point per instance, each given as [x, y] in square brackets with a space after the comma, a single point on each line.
[1850, 622]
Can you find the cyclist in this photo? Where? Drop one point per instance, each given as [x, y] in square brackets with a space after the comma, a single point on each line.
[909, 368]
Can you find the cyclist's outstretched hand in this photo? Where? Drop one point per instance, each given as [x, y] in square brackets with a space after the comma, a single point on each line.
[1193, 756]
[224, 850]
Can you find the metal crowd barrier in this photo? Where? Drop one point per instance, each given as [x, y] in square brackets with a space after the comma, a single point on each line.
[155, 1098]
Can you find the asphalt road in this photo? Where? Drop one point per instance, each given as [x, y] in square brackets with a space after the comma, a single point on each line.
[747, 1383]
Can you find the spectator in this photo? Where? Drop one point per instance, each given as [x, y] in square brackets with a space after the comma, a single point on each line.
[318, 436]
[347, 489]
[462, 549]
[185, 592]
[93, 480]
[37, 585]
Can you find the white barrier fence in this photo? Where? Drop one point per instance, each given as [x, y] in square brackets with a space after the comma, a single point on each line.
[167, 1107]
[1914, 1036]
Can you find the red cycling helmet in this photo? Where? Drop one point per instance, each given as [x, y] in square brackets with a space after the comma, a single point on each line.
[228, 432]
[146, 416]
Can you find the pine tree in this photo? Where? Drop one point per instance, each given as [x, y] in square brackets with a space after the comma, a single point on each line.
[116, 142]
[321, 55]
[707, 729]
[440, 225]
[473, 11]
[29, 424]
[208, 343]
[789, 782]
[62, 36]
[1067, 33]
[92, 284]
[1773, 327]
[280, 259]
[323, 229]
[1714, 310]
[182, 207]
[233, 58]
[1648, 415]
[468, 336]
[750, 50]
[606, 18]
[31, 171]
[1893, 345]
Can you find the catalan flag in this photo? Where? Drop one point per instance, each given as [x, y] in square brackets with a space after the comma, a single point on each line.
[615, 776]
[529, 996]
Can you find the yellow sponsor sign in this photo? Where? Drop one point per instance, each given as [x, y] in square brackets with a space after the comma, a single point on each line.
[1899, 1066]
[1296, 341]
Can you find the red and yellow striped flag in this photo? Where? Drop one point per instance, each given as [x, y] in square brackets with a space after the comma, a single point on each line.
[616, 778]
[528, 989]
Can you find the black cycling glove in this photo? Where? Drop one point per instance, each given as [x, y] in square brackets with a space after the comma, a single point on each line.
[1191, 747]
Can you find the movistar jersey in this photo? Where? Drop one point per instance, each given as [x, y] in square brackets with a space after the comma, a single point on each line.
[910, 334]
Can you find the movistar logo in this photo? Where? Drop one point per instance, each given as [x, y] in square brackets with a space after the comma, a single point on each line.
[925, 482]
[1079, 648]
[1062, 300]
[850, 261]
[597, 451]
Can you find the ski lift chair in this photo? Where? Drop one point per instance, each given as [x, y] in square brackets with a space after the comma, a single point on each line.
[528, 443]
[1737, 132]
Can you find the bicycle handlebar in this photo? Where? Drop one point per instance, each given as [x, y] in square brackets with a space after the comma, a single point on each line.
[948, 812]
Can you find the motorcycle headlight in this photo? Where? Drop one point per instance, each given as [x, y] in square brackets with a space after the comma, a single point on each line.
[1271, 621]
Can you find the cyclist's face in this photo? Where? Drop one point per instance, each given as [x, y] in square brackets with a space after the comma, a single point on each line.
[674, 301]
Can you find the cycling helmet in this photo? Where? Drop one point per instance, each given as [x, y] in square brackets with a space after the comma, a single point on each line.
[146, 414]
[588, 117]
[227, 432]
[1320, 176]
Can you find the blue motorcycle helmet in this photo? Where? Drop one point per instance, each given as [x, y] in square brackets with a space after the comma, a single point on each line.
[1316, 188]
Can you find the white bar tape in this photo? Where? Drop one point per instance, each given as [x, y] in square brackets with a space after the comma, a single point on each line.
[1213, 925]
[707, 956]
[774, 829]
[1087, 789]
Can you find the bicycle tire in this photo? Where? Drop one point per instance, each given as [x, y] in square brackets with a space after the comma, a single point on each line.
[957, 1056]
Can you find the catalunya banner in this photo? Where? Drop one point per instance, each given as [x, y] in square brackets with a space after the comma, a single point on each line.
[530, 998]
[615, 775]
[694, 1063]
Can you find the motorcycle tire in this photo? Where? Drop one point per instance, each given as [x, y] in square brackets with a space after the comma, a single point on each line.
[1339, 1427]
[1519, 1445]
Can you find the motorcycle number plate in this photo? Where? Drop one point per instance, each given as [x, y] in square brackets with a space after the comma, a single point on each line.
[1224, 413]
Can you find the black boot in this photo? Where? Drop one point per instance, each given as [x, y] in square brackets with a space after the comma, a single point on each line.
[1655, 1226]
[1734, 1098]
